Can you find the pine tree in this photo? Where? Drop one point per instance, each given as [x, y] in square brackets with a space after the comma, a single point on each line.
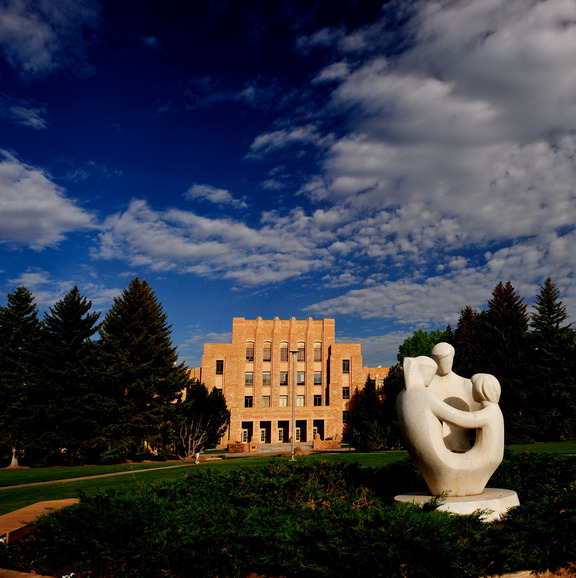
[554, 390]
[19, 359]
[469, 343]
[507, 358]
[141, 377]
[71, 402]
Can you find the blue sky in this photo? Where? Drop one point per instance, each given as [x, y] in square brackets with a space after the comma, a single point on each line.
[380, 164]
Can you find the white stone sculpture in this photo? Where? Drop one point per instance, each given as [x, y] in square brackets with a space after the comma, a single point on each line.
[454, 432]
[423, 418]
[455, 391]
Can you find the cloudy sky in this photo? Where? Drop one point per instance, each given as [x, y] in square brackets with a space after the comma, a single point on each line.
[380, 164]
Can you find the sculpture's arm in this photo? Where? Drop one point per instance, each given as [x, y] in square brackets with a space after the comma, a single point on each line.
[457, 417]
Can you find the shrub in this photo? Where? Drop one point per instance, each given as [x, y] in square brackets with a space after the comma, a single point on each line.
[314, 520]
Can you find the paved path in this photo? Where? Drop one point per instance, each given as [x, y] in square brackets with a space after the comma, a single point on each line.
[16, 524]
[65, 480]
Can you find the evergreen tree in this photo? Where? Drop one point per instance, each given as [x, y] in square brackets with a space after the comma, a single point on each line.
[19, 358]
[554, 393]
[70, 401]
[141, 377]
[368, 428]
[200, 418]
[393, 385]
[468, 341]
[506, 357]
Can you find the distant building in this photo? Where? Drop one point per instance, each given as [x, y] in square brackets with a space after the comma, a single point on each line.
[255, 373]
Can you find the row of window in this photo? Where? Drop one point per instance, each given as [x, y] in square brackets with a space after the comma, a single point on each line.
[282, 401]
[267, 352]
[345, 364]
[266, 378]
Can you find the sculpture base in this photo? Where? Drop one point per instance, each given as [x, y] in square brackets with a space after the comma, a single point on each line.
[496, 500]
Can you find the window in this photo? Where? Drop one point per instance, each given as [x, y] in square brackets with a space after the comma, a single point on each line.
[345, 393]
[317, 400]
[345, 416]
[281, 435]
[345, 366]
[248, 401]
[284, 352]
[283, 378]
[267, 352]
[300, 400]
[300, 378]
[298, 433]
[265, 401]
[301, 353]
[317, 378]
[245, 436]
[263, 436]
[249, 352]
[266, 378]
[317, 353]
[283, 401]
[219, 366]
[248, 379]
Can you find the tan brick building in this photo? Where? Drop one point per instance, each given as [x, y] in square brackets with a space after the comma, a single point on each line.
[255, 373]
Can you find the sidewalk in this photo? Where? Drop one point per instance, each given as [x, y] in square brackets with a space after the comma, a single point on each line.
[16, 524]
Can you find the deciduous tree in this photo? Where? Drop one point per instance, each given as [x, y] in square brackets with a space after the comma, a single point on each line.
[368, 428]
[200, 418]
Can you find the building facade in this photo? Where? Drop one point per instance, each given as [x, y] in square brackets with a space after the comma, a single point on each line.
[271, 362]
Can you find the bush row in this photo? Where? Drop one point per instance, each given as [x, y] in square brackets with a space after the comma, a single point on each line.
[313, 520]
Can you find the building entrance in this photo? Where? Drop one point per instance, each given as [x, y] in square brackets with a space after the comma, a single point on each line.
[265, 432]
[247, 431]
[318, 428]
[283, 429]
[300, 433]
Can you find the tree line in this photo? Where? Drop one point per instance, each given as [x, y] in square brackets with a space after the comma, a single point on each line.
[531, 354]
[75, 389]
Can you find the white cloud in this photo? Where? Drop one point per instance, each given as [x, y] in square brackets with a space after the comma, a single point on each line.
[183, 241]
[333, 73]
[380, 350]
[459, 156]
[38, 38]
[47, 290]
[214, 195]
[280, 139]
[22, 112]
[34, 210]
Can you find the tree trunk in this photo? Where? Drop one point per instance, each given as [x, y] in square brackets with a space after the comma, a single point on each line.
[14, 462]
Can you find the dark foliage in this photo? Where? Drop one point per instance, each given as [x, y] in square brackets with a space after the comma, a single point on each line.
[139, 374]
[200, 418]
[66, 408]
[306, 520]
[368, 428]
[20, 332]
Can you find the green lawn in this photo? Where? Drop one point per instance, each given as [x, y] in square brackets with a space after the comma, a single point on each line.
[14, 498]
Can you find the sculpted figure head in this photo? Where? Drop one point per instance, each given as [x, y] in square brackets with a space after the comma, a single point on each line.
[443, 355]
[485, 387]
[418, 371]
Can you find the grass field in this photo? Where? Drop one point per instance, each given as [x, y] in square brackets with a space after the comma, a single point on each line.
[134, 475]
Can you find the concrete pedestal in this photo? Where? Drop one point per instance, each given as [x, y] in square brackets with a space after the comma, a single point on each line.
[494, 499]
